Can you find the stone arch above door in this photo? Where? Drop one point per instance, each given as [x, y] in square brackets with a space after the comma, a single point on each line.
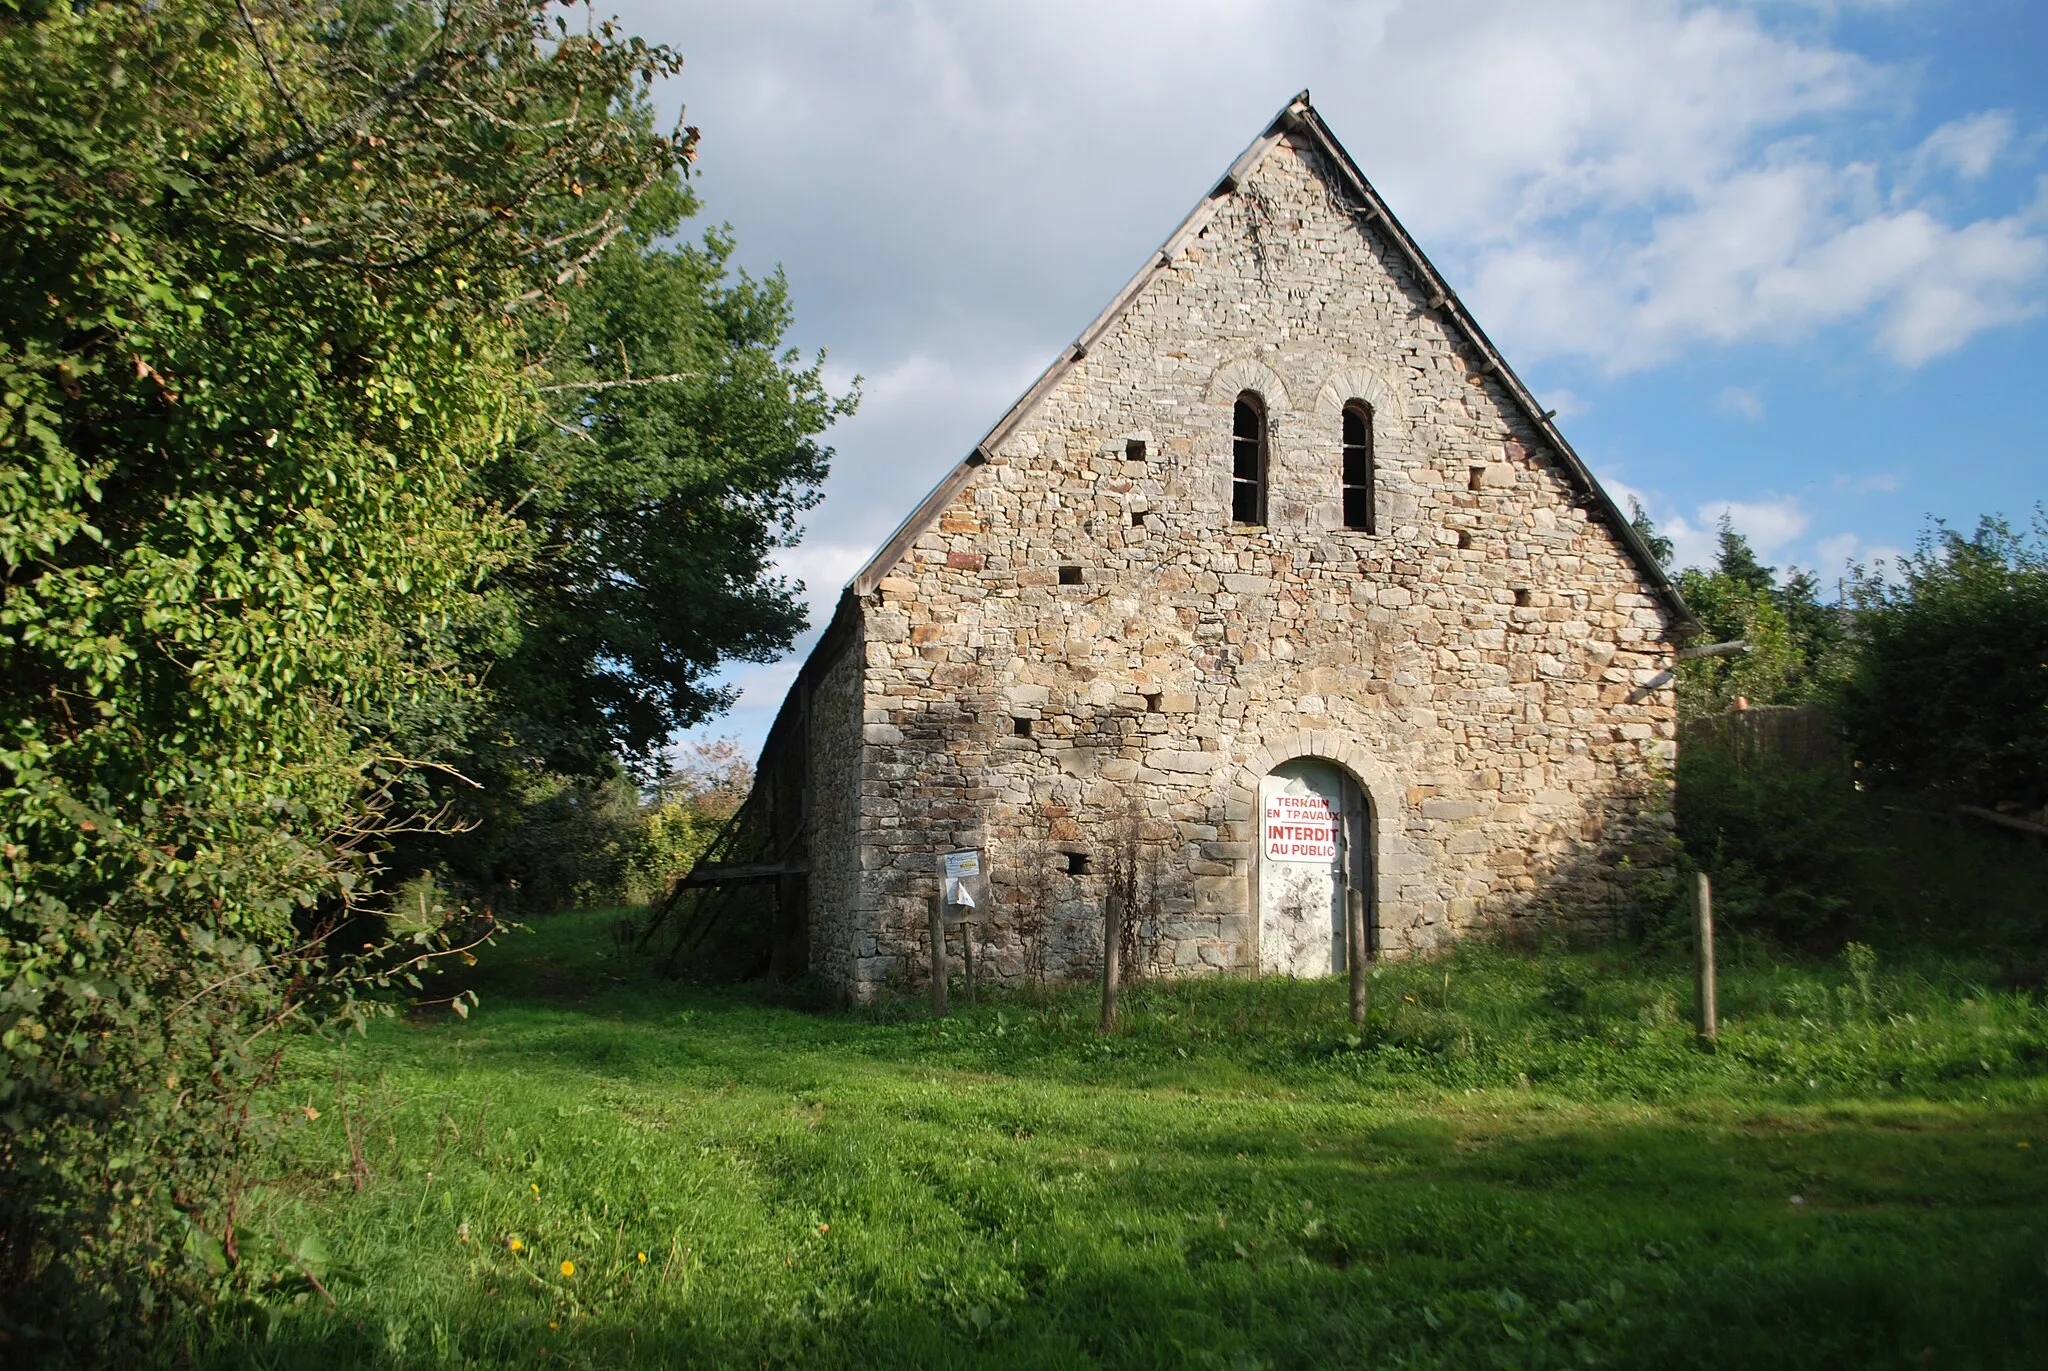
[1392, 857]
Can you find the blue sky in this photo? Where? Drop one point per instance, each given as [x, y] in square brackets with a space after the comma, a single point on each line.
[1785, 259]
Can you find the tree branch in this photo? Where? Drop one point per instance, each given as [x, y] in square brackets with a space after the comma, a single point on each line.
[432, 68]
[628, 381]
[270, 66]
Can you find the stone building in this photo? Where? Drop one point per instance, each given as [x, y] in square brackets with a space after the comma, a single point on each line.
[1278, 581]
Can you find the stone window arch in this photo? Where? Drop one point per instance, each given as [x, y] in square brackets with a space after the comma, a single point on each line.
[1356, 470]
[1249, 462]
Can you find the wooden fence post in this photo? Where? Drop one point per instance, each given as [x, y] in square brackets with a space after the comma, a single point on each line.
[1354, 954]
[967, 956]
[938, 922]
[1707, 1020]
[1112, 957]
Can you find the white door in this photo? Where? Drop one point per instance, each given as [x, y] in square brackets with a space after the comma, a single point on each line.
[1305, 833]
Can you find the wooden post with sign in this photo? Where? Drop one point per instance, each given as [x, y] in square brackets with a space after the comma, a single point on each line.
[1707, 1019]
[1112, 957]
[938, 930]
[963, 891]
[1354, 953]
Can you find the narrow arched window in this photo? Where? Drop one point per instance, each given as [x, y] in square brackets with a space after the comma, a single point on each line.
[1248, 461]
[1358, 501]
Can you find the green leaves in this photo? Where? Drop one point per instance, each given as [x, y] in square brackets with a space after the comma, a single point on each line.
[263, 279]
[1950, 688]
[679, 449]
[1796, 645]
[311, 1253]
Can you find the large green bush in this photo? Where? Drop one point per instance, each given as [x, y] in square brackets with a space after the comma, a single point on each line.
[1807, 858]
[264, 276]
[1788, 849]
[1949, 692]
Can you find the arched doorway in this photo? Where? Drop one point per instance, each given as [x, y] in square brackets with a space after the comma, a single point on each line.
[1315, 842]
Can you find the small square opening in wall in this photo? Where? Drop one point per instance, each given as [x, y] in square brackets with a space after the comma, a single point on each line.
[1134, 449]
[1137, 518]
[1477, 479]
[1151, 702]
[1077, 864]
[1522, 599]
[1021, 726]
[1464, 541]
[1070, 575]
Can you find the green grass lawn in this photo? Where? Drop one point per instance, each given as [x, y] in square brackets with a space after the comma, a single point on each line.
[1524, 1162]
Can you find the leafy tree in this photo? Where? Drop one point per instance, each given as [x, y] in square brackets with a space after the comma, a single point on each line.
[1768, 672]
[1818, 631]
[1795, 641]
[1661, 547]
[266, 271]
[676, 448]
[1735, 561]
[682, 446]
[1949, 692]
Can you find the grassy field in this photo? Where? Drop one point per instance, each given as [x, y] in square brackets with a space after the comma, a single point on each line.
[1525, 1162]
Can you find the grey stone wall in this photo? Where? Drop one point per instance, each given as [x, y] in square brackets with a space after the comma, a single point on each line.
[1485, 663]
[839, 937]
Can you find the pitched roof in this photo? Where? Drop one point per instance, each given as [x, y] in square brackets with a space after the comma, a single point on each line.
[1300, 118]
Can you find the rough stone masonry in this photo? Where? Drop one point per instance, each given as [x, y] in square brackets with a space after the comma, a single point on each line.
[1072, 656]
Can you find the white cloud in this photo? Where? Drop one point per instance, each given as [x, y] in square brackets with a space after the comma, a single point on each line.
[761, 691]
[1776, 528]
[1691, 544]
[1839, 550]
[1779, 253]
[1773, 525]
[1769, 525]
[1740, 400]
[919, 414]
[1568, 404]
[1621, 180]
[824, 569]
[1489, 117]
[1968, 147]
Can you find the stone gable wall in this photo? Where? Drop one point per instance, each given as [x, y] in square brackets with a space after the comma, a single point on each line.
[1487, 663]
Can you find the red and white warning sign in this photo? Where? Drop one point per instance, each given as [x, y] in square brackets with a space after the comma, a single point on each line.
[1300, 828]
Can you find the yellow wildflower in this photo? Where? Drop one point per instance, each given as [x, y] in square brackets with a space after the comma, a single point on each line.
[568, 1268]
[535, 1187]
[516, 1244]
[643, 1259]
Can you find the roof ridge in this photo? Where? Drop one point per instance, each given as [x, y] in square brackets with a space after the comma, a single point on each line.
[1300, 116]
